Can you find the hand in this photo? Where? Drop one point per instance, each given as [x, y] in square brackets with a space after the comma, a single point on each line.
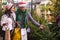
[5, 24]
[17, 24]
[41, 27]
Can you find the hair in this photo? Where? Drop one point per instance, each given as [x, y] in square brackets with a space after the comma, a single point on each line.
[8, 12]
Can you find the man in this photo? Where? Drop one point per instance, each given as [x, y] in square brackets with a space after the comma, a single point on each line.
[22, 17]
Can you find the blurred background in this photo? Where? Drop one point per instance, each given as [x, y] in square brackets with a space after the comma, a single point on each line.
[44, 12]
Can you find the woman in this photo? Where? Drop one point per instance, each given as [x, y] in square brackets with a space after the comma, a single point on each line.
[8, 19]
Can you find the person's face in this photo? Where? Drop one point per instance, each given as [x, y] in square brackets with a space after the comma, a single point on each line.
[13, 9]
[22, 8]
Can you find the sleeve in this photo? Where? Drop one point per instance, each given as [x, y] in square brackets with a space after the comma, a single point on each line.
[32, 20]
[3, 20]
[14, 16]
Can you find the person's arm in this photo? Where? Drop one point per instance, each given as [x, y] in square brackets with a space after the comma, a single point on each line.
[14, 15]
[32, 20]
[3, 20]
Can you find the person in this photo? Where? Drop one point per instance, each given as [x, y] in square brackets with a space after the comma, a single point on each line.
[22, 17]
[58, 22]
[8, 19]
[58, 26]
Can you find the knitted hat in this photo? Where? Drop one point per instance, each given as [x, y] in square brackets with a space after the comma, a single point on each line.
[9, 5]
[22, 4]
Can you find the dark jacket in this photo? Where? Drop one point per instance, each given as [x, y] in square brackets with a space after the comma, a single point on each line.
[58, 21]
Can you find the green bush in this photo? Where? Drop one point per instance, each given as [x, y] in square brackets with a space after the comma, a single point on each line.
[46, 34]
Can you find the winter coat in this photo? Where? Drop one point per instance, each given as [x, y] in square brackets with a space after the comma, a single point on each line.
[6, 19]
[28, 17]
